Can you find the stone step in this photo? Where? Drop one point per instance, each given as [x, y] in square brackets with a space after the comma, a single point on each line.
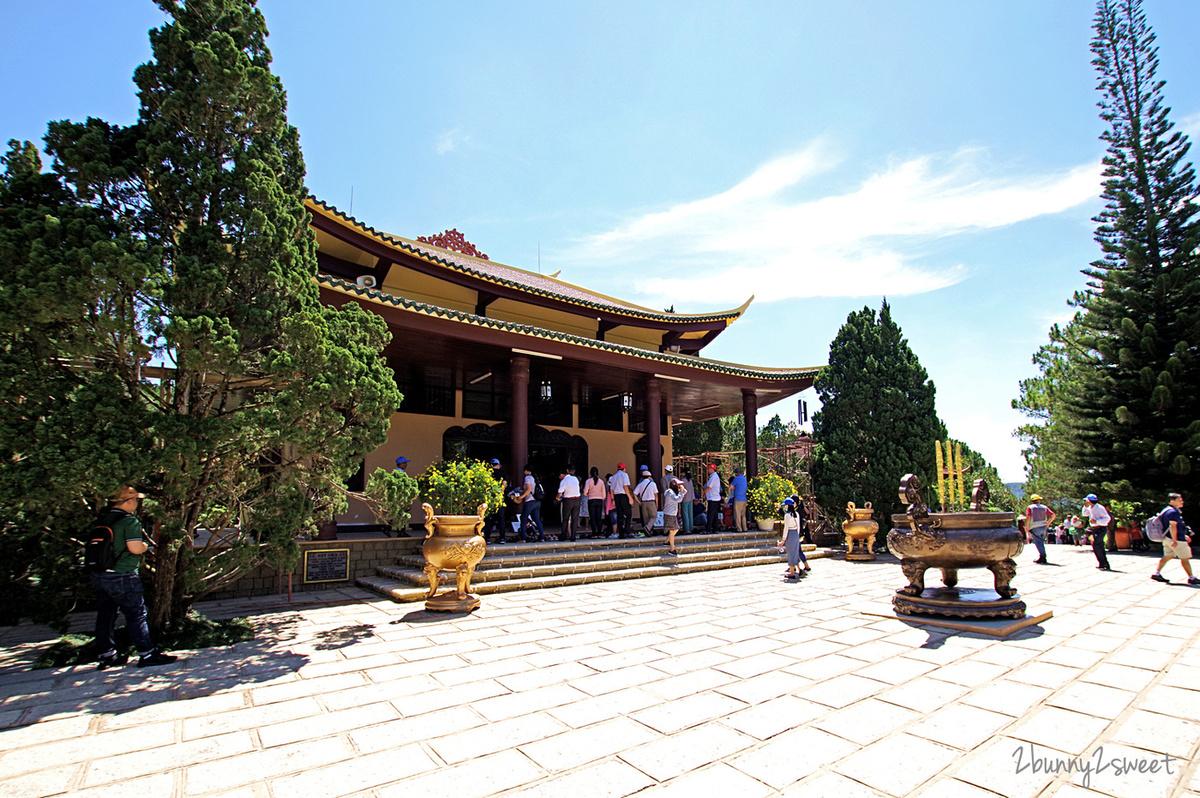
[523, 556]
[405, 592]
[525, 566]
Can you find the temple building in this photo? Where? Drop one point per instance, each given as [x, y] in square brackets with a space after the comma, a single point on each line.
[498, 362]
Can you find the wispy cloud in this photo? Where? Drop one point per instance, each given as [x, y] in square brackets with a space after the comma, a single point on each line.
[1190, 125]
[450, 140]
[763, 237]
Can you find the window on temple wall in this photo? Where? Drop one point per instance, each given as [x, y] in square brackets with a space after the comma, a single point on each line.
[637, 417]
[597, 412]
[487, 396]
[426, 389]
[554, 410]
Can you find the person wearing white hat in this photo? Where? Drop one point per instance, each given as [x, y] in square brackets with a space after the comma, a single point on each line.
[646, 493]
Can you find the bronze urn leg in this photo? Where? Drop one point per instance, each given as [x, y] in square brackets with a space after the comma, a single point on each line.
[949, 577]
[1004, 571]
[914, 572]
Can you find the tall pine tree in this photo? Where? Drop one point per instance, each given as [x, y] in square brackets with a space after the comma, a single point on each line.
[877, 420]
[1134, 412]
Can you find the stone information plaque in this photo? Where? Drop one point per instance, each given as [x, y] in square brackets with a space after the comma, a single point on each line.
[326, 565]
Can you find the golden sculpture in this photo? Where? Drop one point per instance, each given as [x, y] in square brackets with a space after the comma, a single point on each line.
[860, 531]
[452, 543]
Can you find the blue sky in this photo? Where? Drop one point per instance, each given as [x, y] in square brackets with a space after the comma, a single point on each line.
[816, 155]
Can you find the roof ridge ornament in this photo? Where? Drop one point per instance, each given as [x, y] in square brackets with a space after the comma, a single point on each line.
[454, 240]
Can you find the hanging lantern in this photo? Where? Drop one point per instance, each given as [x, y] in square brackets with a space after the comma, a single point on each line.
[627, 401]
[547, 393]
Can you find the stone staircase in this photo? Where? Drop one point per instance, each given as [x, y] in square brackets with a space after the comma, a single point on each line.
[528, 566]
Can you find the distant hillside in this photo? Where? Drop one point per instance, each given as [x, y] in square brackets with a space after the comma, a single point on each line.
[1018, 488]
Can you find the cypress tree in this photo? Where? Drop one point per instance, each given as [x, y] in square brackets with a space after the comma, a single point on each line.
[182, 240]
[1134, 412]
[877, 420]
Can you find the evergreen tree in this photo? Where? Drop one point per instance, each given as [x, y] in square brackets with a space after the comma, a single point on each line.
[1134, 412]
[181, 240]
[696, 437]
[877, 420]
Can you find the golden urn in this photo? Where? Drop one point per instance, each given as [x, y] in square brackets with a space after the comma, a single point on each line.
[860, 531]
[452, 543]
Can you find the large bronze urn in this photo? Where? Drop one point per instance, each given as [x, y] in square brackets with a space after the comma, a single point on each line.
[951, 542]
[452, 543]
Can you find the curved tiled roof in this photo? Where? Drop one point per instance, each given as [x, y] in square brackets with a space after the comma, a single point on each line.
[528, 282]
[379, 297]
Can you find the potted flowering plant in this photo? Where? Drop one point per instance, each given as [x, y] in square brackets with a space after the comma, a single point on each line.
[766, 493]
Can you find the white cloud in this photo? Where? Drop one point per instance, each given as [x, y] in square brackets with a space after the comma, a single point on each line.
[450, 140]
[760, 237]
[1190, 126]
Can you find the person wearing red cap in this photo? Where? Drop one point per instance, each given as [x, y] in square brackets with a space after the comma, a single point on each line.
[619, 485]
[712, 495]
[119, 588]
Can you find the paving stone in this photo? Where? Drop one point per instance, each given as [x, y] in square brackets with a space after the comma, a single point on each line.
[89, 746]
[960, 726]
[47, 731]
[897, 764]
[475, 778]
[792, 756]
[923, 694]
[719, 781]
[769, 718]
[495, 737]
[234, 771]
[603, 707]
[580, 746]
[40, 783]
[463, 695]
[530, 700]
[687, 684]
[1059, 729]
[831, 784]
[359, 773]
[763, 687]
[695, 747]
[120, 768]
[1167, 700]
[396, 733]
[1003, 766]
[250, 718]
[1157, 733]
[971, 673]
[1093, 699]
[612, 779]
[693, 710]
[866, 721]
[318, 726]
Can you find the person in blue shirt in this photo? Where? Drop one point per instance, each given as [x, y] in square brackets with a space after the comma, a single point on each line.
[737, 497]
[1177, 540]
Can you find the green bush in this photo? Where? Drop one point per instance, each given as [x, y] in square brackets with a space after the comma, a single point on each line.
[766, 493]
[393, 493]
[458, 487]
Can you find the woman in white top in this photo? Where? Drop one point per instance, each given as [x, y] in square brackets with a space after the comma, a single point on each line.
[672, 497]
[791, 541]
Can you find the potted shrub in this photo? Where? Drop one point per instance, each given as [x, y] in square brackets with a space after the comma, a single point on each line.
[461, 491]
[764, 497]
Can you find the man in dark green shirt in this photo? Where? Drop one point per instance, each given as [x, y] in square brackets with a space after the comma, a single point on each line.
[119, 588]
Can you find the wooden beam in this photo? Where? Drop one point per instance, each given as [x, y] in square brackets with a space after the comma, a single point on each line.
[603, 327]
[482, 300]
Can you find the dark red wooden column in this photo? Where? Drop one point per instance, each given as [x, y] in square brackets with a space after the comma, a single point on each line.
[654, 425]
[750, 417]
[519, 378]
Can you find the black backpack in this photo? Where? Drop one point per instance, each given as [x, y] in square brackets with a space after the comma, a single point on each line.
[539, 493]
[98, 553]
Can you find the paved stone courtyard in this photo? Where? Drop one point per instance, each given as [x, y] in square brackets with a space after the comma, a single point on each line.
[730, 683]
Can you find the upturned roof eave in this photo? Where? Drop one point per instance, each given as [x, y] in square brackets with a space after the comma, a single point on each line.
[609, 307]
[680, 365]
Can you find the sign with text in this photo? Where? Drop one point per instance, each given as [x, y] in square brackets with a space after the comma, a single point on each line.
[326, 565]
